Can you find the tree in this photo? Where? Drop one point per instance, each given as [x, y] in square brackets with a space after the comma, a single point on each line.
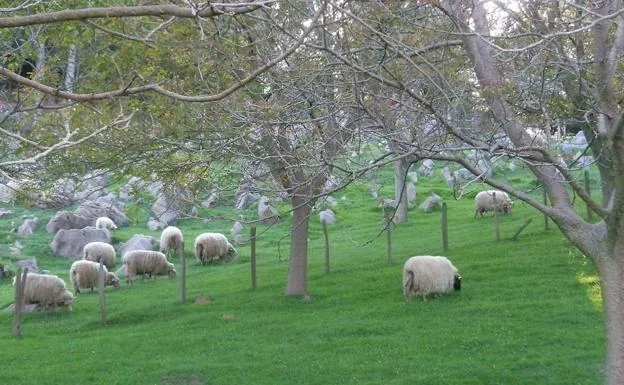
[536, 68]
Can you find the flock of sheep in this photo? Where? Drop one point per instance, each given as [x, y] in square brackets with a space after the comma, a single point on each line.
[50, 290]
[422, 275]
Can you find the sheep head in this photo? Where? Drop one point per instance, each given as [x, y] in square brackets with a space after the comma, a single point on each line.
[112, 280]
[457, 282]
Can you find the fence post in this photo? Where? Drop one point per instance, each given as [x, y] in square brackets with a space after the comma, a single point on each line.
[182, 273]
[588, 191]
[101, 285]
[252, 239]
[326, 235]
[444, 227]
[388, 222]
[20, 283]
[546, 204]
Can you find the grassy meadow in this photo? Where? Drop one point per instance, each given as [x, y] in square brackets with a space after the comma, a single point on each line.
[528, 312]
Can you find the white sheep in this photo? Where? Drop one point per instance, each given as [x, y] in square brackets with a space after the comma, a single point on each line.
[94, 251]
[46, 290]
[171, 239]
[425, 274]
[105, 223]
[141, 262]
[85, 274]
[213, 245]
[484, 201]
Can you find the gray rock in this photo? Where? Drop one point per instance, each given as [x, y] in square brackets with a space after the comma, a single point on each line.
[267, 214]
[28, 227]
[154, 225]
[236, 229]
[92, 210]
[411, 193]
[27, 308]
[167, 210]
[212, 201]
[245, 199]
[69, 243]
[31, 264]
[65, 220]
[412, 176]
[426, 167]
[139, 242]
[4, 213]
[431, 203]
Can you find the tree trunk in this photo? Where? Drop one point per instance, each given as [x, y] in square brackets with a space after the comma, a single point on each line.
[298, 269]
[612, 276]
[400, 191]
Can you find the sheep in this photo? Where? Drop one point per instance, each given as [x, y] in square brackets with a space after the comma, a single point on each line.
[171, 239]
[105, 223]
[484, 201]
[213, 245]
[46, 290]
[94, 251]
[425, 274]
[140, 262]
[85, 274]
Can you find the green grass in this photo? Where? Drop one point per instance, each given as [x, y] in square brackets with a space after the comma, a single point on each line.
[527, 313]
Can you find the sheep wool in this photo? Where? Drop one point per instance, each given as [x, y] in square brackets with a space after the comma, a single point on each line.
[170, 239]
[46, 290]
[147, 262]
[105, 223]
[84, 274]
[484, 201]
[425, 274]
[209, 246]
[94, 251]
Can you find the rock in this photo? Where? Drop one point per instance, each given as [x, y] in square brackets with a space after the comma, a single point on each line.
[244, 198]
[212, 201]
[92, 210]
[411, 193]
[65, 220]
[388, 203]
[431, 203]
[69, 243]
[165, 211]
[139, 242]
[236, 228]
[154, 225]
[412, 176]
[27, 308]
[331, 184]
[28, 227]
[4, 213]
[9, 192]
[328, 217]
[240, 239]
[426, 167]
[31, 264]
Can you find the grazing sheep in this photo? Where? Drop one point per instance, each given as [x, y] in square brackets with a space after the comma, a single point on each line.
[170, 239]
[484, 201]
[105, 223]
[140, 262]
[94, 251]
[427, 274]
[213, 245]
[46, 290]
[85, 274]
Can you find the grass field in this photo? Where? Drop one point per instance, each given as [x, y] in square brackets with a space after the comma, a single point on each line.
[528, 312]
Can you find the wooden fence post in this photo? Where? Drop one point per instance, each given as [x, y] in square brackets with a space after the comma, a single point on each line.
[20, 283]
[326, 235]
[252, 239]
[546, 204]
[444, 227]
[388, 222]
[588, 191]
[102, 295]
[182, 273]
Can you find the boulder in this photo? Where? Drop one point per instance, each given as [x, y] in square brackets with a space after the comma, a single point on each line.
[244, 198]
[426, 167]
[92, 210]
[69, 243]
[65, 220]
[411, 193]
[267, 214]
[167, 210]
[31, 264]
[139, 242]
[28, 227]
[236, 229]
[431, 203]
[153, 225]
[212, 201]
